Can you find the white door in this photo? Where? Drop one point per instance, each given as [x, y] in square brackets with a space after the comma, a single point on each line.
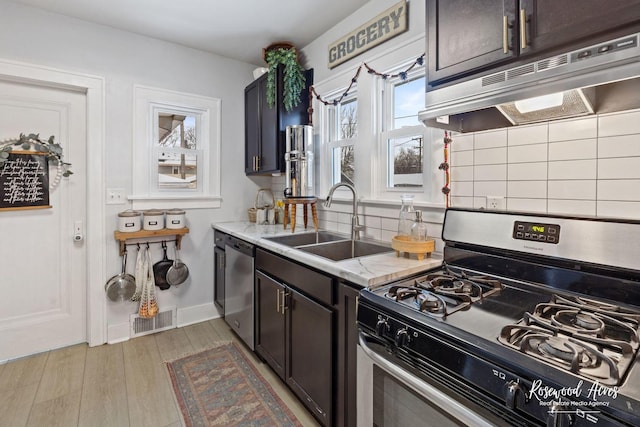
[43, 278]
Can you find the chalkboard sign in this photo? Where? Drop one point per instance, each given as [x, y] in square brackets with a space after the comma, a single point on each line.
[24, 181]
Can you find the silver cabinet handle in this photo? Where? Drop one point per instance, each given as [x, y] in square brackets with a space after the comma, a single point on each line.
[278, 300]
[505, 34]
[284, 302]
[523, 29]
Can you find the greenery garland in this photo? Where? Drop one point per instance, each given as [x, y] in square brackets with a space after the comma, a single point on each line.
[52, 149]
[294, 80]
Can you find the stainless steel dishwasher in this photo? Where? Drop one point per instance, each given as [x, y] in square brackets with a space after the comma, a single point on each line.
[238, 288]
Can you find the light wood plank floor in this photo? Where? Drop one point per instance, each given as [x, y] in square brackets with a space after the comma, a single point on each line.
[118, 385]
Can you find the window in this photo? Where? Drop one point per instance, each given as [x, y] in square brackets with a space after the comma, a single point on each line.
[342, 133]
[176, 150]
[405, 146]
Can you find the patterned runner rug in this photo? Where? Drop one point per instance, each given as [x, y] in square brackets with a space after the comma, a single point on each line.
[221, 387]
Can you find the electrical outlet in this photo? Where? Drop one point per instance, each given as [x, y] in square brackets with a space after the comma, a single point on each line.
[116, 196]
[495, 203]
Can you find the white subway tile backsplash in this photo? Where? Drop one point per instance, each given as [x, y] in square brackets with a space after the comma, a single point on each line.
[462, 173]
[527, 189]
[490, 188]
[462, 142]
[525, 135]
[527, 171]
[620, 168]
[479, 202]
[528, 153]
[461, 202]
[462, 158]
[390, 224]
[573, 189]
[490, 139]
[619, 146]
[490, 172]
[572, 169]
[566, 130]
[527, 205]
[573, 150]
[490, 156]
[572, 207]
[628, 210]
[619, 124]
[619, 189]
[462, 188]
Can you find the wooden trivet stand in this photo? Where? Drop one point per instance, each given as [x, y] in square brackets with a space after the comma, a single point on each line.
[304, 201]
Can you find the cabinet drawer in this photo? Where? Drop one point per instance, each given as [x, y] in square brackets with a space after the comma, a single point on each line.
[312, 283]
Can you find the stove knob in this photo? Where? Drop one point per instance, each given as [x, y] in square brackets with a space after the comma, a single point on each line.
[402, 337]
[558, 417]
[513, 388]
[382, 326]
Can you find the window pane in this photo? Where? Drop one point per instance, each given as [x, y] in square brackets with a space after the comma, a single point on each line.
[343, 165]
[408, 100]
[406, 159]
[177, 168]
[348, 125]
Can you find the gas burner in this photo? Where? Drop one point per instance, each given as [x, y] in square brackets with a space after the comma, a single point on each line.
[564, 350]
[577, 321]
[442, 293]
[431, 303]
[581, 338]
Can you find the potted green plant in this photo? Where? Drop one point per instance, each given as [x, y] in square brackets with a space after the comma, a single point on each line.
[294, 79]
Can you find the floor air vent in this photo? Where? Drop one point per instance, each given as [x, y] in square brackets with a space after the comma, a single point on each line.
[166, 319]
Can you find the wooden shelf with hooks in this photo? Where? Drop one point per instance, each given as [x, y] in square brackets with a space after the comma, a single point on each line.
[122, 237]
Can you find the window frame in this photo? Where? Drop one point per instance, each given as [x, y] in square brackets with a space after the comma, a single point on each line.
[385, 132]
[148, 103]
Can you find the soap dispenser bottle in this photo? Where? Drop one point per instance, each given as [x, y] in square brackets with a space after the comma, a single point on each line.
[419, 229]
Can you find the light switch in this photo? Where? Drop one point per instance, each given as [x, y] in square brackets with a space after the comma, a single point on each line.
[116, 196]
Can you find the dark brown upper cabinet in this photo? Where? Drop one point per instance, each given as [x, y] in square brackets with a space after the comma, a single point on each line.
[468, 38]
[265, 126]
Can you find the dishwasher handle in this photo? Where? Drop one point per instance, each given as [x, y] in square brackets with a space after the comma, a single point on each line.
[241, 246]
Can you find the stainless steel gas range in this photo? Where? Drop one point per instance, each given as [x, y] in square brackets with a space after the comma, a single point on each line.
[531, 320]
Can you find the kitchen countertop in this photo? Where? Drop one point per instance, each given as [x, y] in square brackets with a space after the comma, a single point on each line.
[367, 271]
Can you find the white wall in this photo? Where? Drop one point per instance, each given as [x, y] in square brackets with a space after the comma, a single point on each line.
[124, 59]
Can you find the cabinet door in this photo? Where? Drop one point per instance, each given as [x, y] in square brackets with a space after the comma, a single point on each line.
[252, 129]
[270, 322]
[468, 35]
[270, 141]
[218, 287]
[552, 24]
[310, 370]
[347, 353]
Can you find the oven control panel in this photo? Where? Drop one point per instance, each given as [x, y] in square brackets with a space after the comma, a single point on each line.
[545, 233]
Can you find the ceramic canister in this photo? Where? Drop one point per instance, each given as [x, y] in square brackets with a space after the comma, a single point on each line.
[129, 221]
[175, 218]
[153, 219]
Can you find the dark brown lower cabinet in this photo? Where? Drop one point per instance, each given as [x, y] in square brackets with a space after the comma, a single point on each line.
[295, 338]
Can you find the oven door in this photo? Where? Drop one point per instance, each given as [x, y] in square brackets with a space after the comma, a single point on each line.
[388, 395]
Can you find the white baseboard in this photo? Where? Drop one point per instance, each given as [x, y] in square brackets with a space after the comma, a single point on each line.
[118, 333]
[186, 316]
[196, 313]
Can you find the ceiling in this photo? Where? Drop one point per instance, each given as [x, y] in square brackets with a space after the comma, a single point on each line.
[236, 29]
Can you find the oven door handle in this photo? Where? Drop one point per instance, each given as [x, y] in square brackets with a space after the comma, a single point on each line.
[429, 392]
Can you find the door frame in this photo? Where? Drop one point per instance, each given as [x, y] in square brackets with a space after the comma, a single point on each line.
[95, 237]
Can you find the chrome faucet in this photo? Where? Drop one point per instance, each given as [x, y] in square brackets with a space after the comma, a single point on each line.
[355, 223]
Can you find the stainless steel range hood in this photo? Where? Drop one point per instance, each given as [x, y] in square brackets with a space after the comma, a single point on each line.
[602, 78]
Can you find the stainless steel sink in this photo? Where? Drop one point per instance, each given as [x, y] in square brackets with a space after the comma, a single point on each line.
[341, 250]
[303, 239]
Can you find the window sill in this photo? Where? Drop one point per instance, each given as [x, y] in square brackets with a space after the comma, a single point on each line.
[165, 202]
